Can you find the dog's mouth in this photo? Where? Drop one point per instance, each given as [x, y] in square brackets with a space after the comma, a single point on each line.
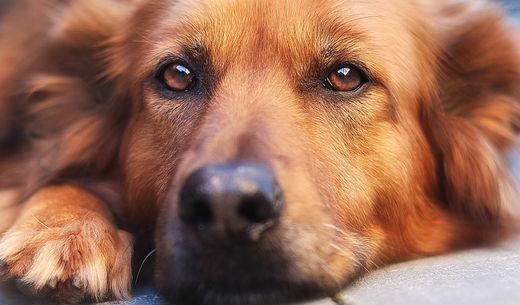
[229, 278]
[200, 294]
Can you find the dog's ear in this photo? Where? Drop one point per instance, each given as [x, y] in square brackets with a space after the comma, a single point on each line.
[70, 115]
[475, 115]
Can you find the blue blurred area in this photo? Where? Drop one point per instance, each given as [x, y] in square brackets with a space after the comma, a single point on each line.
[514, 8]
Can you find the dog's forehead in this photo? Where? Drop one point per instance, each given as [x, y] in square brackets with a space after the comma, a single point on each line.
[230, 26]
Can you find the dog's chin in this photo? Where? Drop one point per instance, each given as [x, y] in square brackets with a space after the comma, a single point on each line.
[238, 278]
[180, 291]
[185, 293]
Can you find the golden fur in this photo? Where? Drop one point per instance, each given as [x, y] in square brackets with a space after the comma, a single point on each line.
[415, 165]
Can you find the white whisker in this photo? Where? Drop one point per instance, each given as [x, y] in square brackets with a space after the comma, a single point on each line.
[354, 242]
[142, 264]
[40, 222]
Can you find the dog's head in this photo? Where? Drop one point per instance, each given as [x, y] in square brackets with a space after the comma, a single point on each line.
[293, 144]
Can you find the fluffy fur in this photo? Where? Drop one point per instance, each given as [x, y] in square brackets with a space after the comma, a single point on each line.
[414, 165]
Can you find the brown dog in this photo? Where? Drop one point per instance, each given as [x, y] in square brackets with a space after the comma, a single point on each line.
[283, 146]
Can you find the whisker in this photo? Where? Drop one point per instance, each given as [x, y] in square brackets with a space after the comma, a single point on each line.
[348, 236]
[142, 264]
[40, 222]
[349, 256]
[337, 229]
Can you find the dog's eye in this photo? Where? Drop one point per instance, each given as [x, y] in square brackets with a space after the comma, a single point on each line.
[177, 77]
[347, 78]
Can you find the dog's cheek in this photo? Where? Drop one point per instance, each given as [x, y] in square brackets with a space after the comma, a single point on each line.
[153, 143]
[144, 171]
[357, 179]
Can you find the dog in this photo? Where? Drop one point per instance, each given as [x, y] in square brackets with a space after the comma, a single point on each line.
[267, 151]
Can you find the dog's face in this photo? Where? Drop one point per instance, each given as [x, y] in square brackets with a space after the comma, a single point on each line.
[289, 143]
[280, 147]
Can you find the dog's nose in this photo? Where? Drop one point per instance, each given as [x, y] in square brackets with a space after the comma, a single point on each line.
[236, 202]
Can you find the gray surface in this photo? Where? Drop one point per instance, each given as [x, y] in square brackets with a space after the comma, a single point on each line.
[477, 277]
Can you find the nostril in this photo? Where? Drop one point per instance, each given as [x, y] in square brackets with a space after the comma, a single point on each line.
[256, 209]
[197, 212]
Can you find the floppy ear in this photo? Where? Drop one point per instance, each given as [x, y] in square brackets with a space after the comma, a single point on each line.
[476, 113]
[71, 119]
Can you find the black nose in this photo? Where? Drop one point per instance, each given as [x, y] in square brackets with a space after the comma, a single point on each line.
[231, 202]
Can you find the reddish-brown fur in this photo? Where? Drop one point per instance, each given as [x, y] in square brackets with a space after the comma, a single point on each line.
[415, 165]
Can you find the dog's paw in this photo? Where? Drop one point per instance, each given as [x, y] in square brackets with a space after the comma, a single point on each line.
[84, 259]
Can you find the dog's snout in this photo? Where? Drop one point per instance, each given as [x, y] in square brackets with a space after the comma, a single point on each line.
[236, 202]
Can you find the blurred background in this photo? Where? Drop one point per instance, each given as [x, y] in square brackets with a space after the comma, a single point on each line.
[514, 8]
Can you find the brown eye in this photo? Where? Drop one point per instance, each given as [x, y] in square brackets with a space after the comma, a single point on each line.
[177, 77]
[346, 79]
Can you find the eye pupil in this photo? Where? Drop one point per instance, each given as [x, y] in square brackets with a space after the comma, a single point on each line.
[177, 77]
[346, 79]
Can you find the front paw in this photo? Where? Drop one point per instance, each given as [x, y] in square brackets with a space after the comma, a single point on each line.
[86, 258]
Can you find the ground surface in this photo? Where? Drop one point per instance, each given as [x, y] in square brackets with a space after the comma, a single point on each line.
[489, 276]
